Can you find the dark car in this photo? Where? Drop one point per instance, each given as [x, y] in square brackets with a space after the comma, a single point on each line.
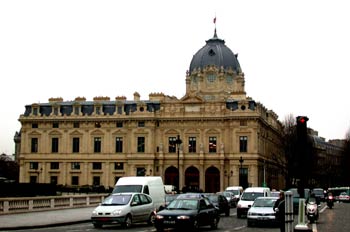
[169, 198]
[220, 201]
[188, 212]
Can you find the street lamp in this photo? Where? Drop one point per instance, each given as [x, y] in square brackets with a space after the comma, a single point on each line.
[178, 141]
[240, 171]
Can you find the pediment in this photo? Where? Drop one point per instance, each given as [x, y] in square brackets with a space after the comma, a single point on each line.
[191, 98]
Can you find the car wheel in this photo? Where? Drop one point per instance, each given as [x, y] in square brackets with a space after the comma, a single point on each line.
[97, 225]
[227, 213]
[239, 215]
[214, 224]
[128, 221]
[159, 229]
[151, 219]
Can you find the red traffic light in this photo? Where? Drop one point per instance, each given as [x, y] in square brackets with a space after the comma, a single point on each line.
[302, 119]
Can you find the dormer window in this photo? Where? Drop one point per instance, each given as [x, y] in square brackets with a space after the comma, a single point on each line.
[211, 52]
[76, 110]
[55, 111]
[211, 78]
[35, 111]
[98, 110]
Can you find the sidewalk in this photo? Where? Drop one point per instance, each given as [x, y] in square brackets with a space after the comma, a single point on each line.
[45, 218]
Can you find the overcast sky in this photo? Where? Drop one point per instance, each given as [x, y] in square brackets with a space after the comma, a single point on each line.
[295, 54]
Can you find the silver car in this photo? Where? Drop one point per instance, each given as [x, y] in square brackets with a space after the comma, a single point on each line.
[262, 212]
[124, 209]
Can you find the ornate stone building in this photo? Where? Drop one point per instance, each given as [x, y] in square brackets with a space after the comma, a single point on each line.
[213, 137]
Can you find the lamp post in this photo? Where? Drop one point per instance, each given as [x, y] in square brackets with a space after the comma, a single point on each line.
[178, 141]
[240, 171]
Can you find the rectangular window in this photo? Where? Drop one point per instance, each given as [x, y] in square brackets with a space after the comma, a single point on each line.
[119, 124]
[53, 179]
[55, 125]
[97, 144]
[96, 180]
[54, 145]
[172, 144]
[35, 125]
[35, 111]
[34, 145]
[75, 166]
[96, 165]
[75, 180]
[33, 165]
[243, 144]
[212, 144]
[192, 144]
[119, 144]
[76, 145]
[76, 125]
[118, 166]
[140, 144]
[141, 124]
[54, 165]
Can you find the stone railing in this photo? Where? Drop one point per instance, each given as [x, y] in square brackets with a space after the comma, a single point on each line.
[28, 204]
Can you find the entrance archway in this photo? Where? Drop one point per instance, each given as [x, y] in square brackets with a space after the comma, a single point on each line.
[192, 179]
[171, 176]
[212, 180]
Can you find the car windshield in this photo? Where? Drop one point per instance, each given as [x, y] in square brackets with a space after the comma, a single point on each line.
[127, 189]
[183, 204]
[117, 200]
[264, 202]
[235, 192]
[227, 194]
[250, 196]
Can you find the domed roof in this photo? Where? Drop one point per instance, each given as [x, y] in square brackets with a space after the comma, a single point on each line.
[215, 52]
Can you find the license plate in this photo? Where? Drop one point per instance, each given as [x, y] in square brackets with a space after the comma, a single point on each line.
[169, 222]
[263, 218]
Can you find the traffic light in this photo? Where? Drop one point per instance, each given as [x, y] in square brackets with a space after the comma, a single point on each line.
[302, 126]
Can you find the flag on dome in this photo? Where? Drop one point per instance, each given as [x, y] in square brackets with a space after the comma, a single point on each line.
[214, 20]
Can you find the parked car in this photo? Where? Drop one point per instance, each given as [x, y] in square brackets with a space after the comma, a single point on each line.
[220, 202]
[188, 212]
[124, 209]
[344, 197]
[262, 212]
[230, 198]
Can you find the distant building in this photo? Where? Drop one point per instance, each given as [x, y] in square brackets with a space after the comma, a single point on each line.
[212, 137]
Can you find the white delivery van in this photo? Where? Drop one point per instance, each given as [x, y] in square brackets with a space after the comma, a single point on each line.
[248, 197]
[151, 185]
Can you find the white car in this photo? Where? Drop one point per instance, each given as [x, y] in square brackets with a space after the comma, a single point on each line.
[124, 209]
[262, 212]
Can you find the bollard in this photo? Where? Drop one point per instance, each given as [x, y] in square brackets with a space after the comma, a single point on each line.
[302, 226]
[289, 218]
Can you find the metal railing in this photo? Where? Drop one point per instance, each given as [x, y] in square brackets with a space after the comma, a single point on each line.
[28, 204]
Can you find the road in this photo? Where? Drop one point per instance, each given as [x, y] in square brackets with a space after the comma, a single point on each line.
[336, 219]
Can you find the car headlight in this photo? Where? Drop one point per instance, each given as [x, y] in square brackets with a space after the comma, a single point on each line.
[159, 216]
[117, 212]
[94, 213]
[183, 217]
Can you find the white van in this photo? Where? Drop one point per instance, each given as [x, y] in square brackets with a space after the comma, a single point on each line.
[248, 197]
[151, 185]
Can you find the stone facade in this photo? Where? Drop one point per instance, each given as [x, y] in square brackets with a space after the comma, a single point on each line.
[226, 137]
